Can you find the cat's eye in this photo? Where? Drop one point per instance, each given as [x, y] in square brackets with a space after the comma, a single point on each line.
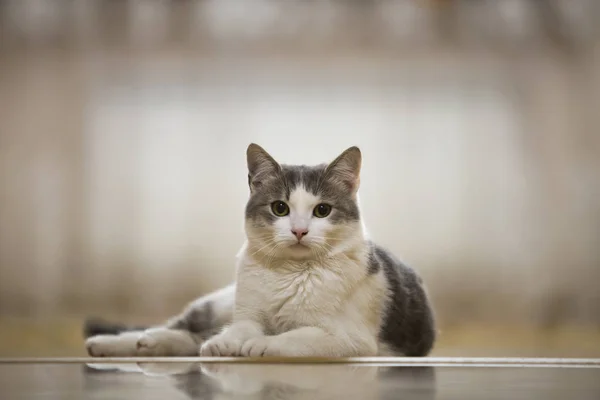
[279, 208]
[322, 210]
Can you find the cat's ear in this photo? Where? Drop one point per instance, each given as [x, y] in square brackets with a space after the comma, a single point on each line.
[261, 166]
[345, 169]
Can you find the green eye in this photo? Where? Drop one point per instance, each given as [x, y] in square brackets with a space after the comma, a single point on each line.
[279, 208]
[322, 210]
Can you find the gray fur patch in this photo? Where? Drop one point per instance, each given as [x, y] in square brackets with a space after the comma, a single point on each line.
[373, 264]
[195, 319]
[201, 320]
[408, 325]
[98, 326]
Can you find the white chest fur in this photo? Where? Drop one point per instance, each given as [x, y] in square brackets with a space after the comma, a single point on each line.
[299, 294]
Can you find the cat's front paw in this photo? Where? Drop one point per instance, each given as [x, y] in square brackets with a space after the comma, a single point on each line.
[221, 346]
[263, 346]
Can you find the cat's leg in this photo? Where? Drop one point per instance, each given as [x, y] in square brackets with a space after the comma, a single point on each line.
[207, 315]
[313, 342]
[229, 342]
[180, 336]
[153, 342]
[247, 323]
[183, 335]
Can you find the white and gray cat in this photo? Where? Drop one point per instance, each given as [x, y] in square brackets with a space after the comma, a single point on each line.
[309, 282]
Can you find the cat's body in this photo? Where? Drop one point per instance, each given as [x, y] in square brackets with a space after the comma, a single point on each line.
[309, 282]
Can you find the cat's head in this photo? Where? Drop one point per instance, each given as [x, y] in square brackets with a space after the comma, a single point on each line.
[302, 212]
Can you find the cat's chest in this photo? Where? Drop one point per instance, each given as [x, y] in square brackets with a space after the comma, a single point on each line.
[303, 296]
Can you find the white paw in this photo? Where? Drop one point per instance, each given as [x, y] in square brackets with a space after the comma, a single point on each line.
[221, 346]
[156, 342]
[260, 346]
[163, 342]
[123, 345]
[149, 345]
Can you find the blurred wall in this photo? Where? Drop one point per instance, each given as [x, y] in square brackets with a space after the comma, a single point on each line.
[123, 127]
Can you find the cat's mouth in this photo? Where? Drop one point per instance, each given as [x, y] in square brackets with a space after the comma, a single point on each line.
[299, 246]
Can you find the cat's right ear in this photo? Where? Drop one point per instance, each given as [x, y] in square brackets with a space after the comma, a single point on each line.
[261, 166]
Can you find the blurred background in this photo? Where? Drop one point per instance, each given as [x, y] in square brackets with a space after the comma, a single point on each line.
[124, 124]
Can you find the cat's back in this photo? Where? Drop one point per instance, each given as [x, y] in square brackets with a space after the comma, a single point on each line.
[408, 322]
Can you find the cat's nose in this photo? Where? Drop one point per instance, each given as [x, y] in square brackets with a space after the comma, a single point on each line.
[300, 233]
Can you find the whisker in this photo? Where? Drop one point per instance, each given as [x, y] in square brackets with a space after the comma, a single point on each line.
[268, 243]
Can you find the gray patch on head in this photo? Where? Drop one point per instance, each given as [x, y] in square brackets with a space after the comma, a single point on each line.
[408, 325]
[258, 207]
[313, 179]
[309, 177]
[344, 203]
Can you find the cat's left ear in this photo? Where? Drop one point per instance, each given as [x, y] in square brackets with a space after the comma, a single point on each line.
[345, 169]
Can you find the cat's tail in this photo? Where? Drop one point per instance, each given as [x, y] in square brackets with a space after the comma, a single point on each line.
[97, 326]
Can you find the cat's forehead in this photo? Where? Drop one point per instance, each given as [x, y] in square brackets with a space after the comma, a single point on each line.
[301, 199]
[306, 178]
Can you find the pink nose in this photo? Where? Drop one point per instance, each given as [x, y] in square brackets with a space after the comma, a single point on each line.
[300, 233]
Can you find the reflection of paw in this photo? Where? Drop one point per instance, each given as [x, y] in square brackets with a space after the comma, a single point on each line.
[259, 347]
[237, 379]
[166, 369]
[121, 367]
[215, 370]
[221, 346]
[150, 369]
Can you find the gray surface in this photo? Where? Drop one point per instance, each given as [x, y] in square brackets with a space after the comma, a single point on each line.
[283, 381]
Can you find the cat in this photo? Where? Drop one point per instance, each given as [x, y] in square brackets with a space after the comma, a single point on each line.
[309, 282]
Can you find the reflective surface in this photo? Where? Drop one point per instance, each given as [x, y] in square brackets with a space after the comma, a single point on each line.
[286, 381]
